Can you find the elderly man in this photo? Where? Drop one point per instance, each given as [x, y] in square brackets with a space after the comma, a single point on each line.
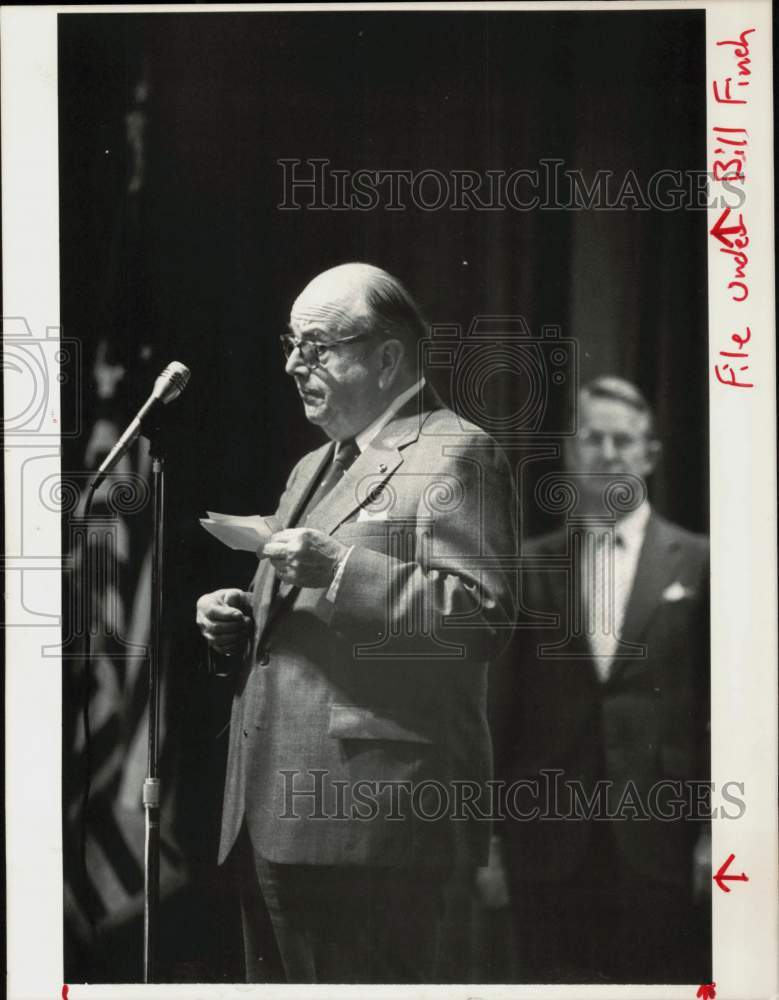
[361, 648]
[602, 724]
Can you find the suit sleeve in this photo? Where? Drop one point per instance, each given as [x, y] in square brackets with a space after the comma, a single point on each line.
[454, 595]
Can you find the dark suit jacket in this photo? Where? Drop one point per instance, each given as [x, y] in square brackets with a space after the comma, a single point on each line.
[378, 685]
[646, 724]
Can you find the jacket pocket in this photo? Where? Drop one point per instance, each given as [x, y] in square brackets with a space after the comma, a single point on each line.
[353, 722]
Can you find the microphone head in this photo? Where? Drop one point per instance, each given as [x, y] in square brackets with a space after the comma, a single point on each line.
[172, 382]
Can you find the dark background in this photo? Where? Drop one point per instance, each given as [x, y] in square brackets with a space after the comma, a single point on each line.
[199, 264]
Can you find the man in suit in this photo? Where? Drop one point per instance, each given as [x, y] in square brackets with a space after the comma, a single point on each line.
[360, 697]
[601, 724]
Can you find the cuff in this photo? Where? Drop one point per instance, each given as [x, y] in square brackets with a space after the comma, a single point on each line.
[332, 590]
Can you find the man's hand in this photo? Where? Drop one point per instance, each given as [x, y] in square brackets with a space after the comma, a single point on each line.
[225, 619]
[304, 557]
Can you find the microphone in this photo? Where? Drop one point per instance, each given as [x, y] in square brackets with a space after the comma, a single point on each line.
[167, 387]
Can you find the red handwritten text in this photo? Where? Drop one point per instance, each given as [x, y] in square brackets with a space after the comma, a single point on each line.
[722, 877]
[728, 164]
[741, 52]
[728, 374]
[737, 141]
[734, 240]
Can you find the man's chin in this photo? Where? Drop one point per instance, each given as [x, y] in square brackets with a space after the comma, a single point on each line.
[315, 410]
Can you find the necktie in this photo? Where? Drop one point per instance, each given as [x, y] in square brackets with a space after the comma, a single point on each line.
[605, 595]
[345, 453]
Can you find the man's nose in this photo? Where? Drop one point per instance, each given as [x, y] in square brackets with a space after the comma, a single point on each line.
[295, 363]
[608, 449]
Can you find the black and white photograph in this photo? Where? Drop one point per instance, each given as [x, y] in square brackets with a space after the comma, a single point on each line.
[394, 632]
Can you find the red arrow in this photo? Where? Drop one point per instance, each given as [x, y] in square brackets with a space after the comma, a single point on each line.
[721, 878]
[707, 991]
[721, 232]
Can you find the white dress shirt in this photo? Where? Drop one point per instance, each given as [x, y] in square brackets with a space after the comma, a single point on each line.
[608, 577]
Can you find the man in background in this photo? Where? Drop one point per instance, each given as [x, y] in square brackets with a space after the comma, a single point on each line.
[601, 721]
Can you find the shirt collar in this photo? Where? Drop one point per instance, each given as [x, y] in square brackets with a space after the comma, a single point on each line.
[364, 438]
[632, 528]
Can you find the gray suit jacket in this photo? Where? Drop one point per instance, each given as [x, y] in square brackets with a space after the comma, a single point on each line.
[646, 725]
[340, 702]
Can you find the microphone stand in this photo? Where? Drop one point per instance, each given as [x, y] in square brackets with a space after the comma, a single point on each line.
[150, 424]
[151, 786]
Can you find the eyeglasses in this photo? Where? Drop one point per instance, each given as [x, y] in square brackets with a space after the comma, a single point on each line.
[314, 352]
[621, 442]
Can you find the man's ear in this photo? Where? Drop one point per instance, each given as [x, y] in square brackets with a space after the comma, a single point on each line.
[654, 452]
[392, 353]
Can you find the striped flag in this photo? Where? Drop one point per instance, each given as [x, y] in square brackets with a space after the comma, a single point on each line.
[103, 816]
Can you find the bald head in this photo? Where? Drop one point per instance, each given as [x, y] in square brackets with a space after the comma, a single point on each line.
[358, 295]
[374, 327]
[337, 296]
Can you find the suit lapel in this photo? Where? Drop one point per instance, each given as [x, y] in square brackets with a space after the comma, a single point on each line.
[366, 475]
[264, 588]
[363, 478]
[308, 476]
[266, 584]
[657, 564]
[373, 467]
[558, 584]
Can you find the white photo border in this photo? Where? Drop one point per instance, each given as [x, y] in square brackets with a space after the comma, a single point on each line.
[743, 527]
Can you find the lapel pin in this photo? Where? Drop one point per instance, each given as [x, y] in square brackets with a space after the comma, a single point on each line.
[382, 467]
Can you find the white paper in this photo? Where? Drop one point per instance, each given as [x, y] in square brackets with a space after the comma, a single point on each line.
[242, 533]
